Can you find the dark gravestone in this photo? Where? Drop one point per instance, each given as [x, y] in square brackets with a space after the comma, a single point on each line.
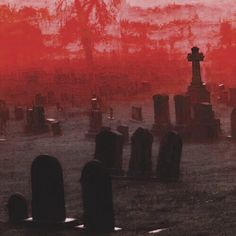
[137, 113]
[95, 123]
[109, 150]
[39, 100]
[17, 208]
[168, 165]
[161, 114]
[48, 203]
[233, 123]
[140, 164]
[97, 198]
[124, 130]
[182, 110]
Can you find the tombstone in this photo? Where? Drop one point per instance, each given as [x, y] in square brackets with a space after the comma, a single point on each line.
[48, 203]
[19, 113]
[140, 164]
[97, 198]
[204, 124]
[182, 110]
[161, 114]
[168, 164]
[95, 123]
[137, 113]
[17, 208]
[233, 123]
[109, 150]
[39, 121]
[124, 130]
[197, 89]
[232, 97]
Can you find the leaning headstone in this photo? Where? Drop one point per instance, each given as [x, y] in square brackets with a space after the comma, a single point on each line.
[168, 165]
[124, 130]
[140, 164]
[233, 123]
[109, 150]
[17, 208]
[48, 202]
[97, 198]
[137, 113]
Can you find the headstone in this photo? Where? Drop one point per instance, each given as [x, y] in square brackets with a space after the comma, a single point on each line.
[4, 117]
[19, 113]
[17, 208]
[39, 100]
[124, 130]
[161, 114]
[182, 110]
[168, 165]
[109, 150]
[204, 124]
[95, 123]
[233, 123]
[97, 198]
[48, 202]
[137, 113]
[197, 90]
[140, 164]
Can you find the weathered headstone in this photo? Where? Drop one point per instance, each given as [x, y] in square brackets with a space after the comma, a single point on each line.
[17, 208]
[124, 130]
[182, 110]
[137, 113]
[109, 150]
[233, 123]
[168, 164]
[97, 198]
[48, 202]
[140, 164]
[197, 90]
[95, 123]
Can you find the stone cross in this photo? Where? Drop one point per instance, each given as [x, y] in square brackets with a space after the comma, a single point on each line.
[195, 57]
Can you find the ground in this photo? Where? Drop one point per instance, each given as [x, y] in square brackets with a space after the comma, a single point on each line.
[201, 203]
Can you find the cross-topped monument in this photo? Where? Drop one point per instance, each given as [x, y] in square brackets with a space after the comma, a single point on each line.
[195, 57]
[197, 89]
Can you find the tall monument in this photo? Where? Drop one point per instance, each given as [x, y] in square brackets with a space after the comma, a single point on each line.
[197, 89]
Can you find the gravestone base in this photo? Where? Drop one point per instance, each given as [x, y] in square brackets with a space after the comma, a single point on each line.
[209, 130]
[68, 222]
[161, 129]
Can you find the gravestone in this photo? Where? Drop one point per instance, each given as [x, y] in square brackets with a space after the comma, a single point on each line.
[97, 198]
[137, 113]
[140, 164]
[124, 130]
[233, 123]
[204, 124]
[197, 90]
[39, 100]
[17, 208]
[109, 150]
[95, 123]
[182, 110]
[161, 113]
[48, 202]
[168, 164]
